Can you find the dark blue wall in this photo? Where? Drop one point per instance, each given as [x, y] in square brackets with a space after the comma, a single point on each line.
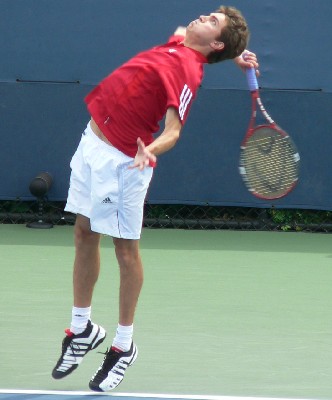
[54, 51]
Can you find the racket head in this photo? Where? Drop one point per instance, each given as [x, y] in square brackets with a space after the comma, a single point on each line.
[269, 162]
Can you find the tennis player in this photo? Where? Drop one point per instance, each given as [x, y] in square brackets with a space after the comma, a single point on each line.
[113, 166]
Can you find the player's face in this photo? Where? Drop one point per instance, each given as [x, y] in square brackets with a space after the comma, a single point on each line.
[207, 28]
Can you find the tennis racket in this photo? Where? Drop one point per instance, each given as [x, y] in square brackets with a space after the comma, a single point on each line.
[269, 160]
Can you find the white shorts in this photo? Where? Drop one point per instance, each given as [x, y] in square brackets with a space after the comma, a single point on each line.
[105, 190]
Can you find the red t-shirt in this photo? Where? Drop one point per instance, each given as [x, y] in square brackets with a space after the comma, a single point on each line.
[132, 100]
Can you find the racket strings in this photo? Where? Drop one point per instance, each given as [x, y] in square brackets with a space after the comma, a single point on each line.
[269, 163]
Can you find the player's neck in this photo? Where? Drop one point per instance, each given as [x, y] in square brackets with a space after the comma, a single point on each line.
[205, 50]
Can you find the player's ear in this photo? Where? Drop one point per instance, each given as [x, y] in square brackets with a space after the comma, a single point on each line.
[217, 46]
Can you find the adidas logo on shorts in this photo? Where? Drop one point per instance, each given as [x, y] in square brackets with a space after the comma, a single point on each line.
[106, 201]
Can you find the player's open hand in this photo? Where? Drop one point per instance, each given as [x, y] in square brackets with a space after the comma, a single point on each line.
[144, 157]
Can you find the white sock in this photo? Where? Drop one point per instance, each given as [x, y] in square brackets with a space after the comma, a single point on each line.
[123, 337]
[79, 319]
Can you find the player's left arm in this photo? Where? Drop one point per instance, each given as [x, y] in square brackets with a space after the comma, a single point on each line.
[249, 61]
[146, 155]
[170, 135]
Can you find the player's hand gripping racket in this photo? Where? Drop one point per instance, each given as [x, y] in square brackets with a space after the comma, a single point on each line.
[269, 160]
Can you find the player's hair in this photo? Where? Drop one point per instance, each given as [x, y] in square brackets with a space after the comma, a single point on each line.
[235, 35]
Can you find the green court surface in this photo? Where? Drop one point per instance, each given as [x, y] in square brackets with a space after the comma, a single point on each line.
[227, 313]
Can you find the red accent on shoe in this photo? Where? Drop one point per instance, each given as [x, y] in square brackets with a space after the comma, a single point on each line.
[68, 332]
[116, 349]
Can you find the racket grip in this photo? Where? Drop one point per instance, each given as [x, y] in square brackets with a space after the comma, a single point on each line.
[251, 79]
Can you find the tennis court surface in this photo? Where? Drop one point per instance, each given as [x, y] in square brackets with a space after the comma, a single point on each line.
[223, 315]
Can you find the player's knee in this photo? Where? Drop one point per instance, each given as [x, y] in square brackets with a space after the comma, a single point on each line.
[126, 252]
[84, 235]
[125, 257]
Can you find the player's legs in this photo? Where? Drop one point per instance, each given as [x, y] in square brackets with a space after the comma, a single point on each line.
[87, 262]
[131, 278]
[123, 352]
[83, 335]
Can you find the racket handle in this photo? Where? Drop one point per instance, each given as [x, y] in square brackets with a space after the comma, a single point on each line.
[251, 79]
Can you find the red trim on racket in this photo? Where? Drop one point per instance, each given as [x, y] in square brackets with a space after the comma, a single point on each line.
[269, 160]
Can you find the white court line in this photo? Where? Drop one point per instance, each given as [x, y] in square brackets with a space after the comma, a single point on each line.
[141, 395]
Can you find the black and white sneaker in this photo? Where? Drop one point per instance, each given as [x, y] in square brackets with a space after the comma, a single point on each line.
[75, 347]
[111, 372]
